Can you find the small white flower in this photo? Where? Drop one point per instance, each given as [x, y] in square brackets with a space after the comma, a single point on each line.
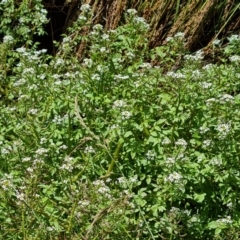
[169, 39]
[234, 58]
[122, 180]
[226, 98]
[96, 77]
[210, 101]
[29, 169]
[150, 155]
[126, 115]
[206, 143]
[85, 8]
[179, 35]
[181, 142]
[26, 159]
[132, 11]
[89, 149]
[105, 36]
[20, 196]
[196, 74]
[204, 130]
[87, 62]
[205, 85]
[230, 205]
[216, 42]
[208, 66]
[141, 21]
[98, 27]
[176, 75]
[121, 77]
[103, 49]
[223, 129]
[146, 65]
[215, 161]
[7, 39]
[28, 70]
[119, 104]
[174, 177]
[41, 151]
[166, 141]
[63, 147]
[33, 111]
[170, 160]
[226, 220]
[84, 203]
[233, 38]
[82, 18]
[21, 50]
[103, 190]
[6, 184]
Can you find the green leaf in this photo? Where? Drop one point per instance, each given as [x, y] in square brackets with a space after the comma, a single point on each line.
[127, 134]
[199, 197]
[213, 225]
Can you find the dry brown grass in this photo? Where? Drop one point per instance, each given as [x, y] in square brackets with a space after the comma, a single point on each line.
[201, 20]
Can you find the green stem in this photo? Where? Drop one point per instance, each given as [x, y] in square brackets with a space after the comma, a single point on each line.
[114, 159]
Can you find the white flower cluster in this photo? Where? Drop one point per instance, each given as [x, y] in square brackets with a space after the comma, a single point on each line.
[223, 129]
[150, 155]
[215, 161]
[28, 71]
[102, 188]
[89, 149]
[179, 35]
[84, 203]
[196, 74]
[5, 1]
[119, 104]
[234, 58]
[226, 220]
[233, 38]
[197, 57]
[126, 115]
[226, 98]
[33, 111]
[166, 141]
[205, 85]
[170, 160]
[181, 142]
[41, 151]
[141, 22]
[41, 16]
[8, 39]
[132, 12]
[68, 164]
[146, 65]
[85, 8]
[216, 42]
[206, 143]
[121, 77]
[173, 177]
[87, 62]
[208, 67]
[222, 99]
[211, 101]
[177, 75]
[20, 82]
[203, 129]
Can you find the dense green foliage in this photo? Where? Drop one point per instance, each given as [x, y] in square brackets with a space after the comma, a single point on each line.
[112, 147]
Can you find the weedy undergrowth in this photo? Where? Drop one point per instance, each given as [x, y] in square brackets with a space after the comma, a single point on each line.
[109, 146]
